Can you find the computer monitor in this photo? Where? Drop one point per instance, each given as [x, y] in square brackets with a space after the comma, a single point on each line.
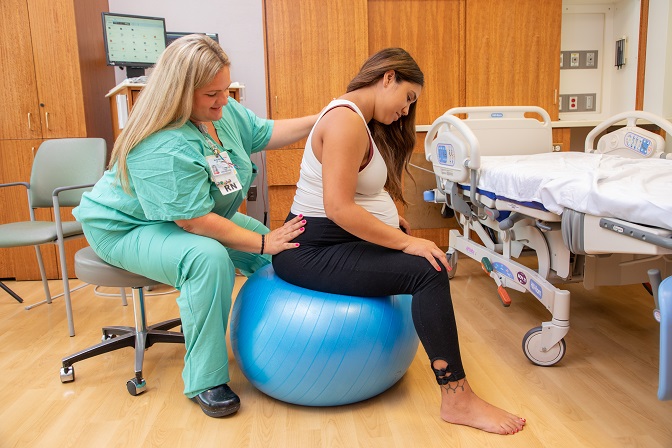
[171, 36]
[134, 42]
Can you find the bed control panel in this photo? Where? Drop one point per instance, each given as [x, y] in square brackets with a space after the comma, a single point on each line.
[631, 141]
[448, 154]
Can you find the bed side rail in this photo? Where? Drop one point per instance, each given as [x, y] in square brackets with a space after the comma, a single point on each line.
[632, 140]
[638, 233]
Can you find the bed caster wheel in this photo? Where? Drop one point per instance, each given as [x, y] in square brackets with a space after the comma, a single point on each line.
[136, 386]
[67, 374]
[533, 351]
[452, 262]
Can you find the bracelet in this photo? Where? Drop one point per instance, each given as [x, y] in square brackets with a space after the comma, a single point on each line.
[263, 241]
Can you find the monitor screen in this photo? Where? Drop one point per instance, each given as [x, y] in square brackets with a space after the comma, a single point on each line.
[171, 36]
[133, 41]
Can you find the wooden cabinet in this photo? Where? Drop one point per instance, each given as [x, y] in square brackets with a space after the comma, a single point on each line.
[512, 53]
[476, 52]
[54, 80]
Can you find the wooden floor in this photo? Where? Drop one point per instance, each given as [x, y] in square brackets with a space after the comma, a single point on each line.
[602, 394]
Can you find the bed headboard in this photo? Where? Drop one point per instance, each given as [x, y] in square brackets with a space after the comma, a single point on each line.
[505, 130]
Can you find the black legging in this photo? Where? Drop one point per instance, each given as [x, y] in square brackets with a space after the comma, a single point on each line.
[332, 260]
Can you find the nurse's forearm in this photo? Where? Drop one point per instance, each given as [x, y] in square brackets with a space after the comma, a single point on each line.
[223, 230]
[286, 132]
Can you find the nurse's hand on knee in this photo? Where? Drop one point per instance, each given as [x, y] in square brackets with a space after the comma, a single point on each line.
[281, 238]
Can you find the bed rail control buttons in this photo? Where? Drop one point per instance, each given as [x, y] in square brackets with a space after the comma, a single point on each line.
[630, 138]
[448, 155]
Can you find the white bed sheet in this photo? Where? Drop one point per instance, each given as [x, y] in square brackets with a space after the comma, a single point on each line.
[636, 190]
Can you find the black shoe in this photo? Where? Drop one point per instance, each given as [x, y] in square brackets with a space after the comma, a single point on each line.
[218, 401]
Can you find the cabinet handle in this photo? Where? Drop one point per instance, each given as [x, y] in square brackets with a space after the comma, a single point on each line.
[555, 96]
[276, 107]
[46, 116]
[33, 150]
[30, 126]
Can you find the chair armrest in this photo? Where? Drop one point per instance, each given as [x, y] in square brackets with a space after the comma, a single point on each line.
[12, 184]
[58, 190]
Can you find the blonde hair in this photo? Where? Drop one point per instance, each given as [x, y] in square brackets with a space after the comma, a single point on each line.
[189, 63]
[396, 140]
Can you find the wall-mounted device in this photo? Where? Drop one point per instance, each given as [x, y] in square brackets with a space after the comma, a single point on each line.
[621, 52]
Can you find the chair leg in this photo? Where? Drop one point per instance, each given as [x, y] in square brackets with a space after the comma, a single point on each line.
[10, 292]
[43, 275]
[66, 287]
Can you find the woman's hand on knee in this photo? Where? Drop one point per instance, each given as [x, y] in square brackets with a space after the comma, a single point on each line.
[280, 239]
[428, 250]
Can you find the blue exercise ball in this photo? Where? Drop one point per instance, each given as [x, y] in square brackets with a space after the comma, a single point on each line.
[318, 349]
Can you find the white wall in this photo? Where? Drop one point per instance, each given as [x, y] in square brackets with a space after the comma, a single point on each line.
[624, 81]
[586, 28]
[240, 28]
[658, 77]
[582, 22]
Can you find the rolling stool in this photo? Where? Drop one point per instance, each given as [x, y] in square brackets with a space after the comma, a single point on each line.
[91, 269]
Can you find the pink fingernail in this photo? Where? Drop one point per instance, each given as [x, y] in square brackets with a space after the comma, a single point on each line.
[301, 229]
[303, 222]
[300, 216]
[297, 244]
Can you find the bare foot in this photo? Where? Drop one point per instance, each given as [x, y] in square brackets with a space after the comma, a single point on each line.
[461, 406]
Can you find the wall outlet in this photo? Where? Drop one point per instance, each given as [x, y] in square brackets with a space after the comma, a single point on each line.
[573, 103]
[574, 60]
[590, 59]
[590, 102]
[252, 193]
[579, 59]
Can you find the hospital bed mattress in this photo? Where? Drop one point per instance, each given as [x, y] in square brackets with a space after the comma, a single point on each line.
[637, 190]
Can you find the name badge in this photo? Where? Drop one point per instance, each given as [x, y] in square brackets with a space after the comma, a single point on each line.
[223, 173]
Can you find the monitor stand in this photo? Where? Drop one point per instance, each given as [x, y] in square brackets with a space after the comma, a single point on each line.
[134, 72]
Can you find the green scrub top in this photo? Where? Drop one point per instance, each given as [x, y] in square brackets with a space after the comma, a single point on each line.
[169, 177]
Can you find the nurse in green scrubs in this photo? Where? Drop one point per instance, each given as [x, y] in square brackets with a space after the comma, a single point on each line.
[167, 206]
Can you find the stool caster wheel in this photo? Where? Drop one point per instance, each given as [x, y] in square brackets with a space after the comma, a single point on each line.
[107, 336]
[136, 386]
[67, 374]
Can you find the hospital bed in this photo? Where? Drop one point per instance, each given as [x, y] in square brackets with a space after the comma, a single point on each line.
[600, 217]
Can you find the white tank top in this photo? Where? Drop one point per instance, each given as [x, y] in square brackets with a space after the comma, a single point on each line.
[369, 194]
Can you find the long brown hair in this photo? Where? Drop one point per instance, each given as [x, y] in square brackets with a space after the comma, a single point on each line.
[395, 141]
[166, 101]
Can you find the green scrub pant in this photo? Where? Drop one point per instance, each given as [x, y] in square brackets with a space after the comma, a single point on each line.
[202, 269]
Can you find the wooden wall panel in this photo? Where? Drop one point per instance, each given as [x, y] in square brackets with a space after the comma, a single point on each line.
[431, 31]
[512, 53]
[313, 49]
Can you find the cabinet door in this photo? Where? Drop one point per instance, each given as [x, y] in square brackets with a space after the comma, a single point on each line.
[57, 68]
[19, 114]
[431, 31]
[513, 53]
[313, 49]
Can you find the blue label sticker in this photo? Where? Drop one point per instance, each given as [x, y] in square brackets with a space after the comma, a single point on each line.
[496, 115]
[502, 269]
[536, 289]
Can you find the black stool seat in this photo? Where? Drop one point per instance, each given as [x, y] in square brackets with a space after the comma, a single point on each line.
[91, 269]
